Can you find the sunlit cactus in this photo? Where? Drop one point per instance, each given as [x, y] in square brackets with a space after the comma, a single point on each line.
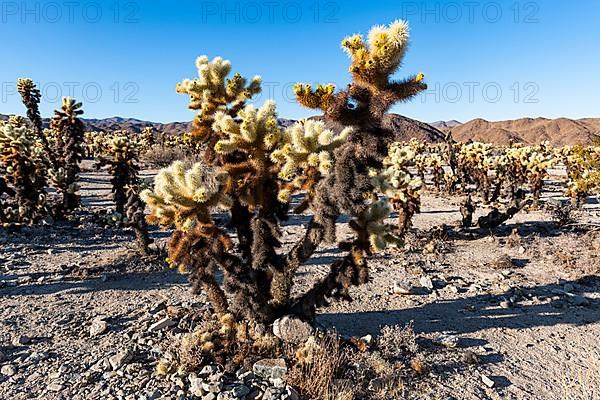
[69, 131]
[583, 168]
[305, 154]
[212, 92]
[252, 167]
[397, 183]
[121, 156]
[185, 198]
[22, 159]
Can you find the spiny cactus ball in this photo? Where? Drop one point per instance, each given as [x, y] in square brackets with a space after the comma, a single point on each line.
[183, 198]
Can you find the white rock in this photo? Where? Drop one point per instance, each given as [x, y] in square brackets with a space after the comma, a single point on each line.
[55, 387]
[162, 324]
[487, 381]
[270, 368]
[426, 282]
[446, 341]
[8, 370]
[98, 327]
[402, 288]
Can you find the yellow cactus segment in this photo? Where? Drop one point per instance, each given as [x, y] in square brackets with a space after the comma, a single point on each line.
[380, 233]
[212, 92]
[373, 62]
[321, 97]
[306, 148]
[257, 130]
[184, 197]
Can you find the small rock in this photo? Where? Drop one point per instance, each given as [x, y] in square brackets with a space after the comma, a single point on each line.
[521, 250]
[212, 387]
[426, 282]
[240, 391]
[8, 370]
[449, 341]
[55, 387]
[270, 368]
[402, 288]
[470, 358]
[487, 381]
[209, 370]
[505, 304]
[368, 339]
[292, 330]
[2, 356]
[162, 324]
[98, 327]
[196, 386]
[577, 300]
[569, 288]
[118, 360]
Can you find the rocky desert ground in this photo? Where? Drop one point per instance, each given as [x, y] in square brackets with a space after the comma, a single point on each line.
[513, 314]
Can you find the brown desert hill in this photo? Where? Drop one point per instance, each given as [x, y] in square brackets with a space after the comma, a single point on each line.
[559, 132]
[404, 128]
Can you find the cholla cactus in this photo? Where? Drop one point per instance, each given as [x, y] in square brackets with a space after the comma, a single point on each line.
[146, 139]
[185, 198]
[212, 92]
[69, 130]
[397, 183]
[373, 62]
[475, 161]
[22, 158]
[583, 167]
[305, 155]
[435, 162]
[249, 159]
[381, 234]
[134, 212]
[121, 156]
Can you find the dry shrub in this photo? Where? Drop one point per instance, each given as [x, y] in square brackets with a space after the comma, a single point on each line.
[383, 372]
[319, 364]
[562, 214]
[162, 156]
[397, 343]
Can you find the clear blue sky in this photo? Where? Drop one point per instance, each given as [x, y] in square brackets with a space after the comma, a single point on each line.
[124, 58]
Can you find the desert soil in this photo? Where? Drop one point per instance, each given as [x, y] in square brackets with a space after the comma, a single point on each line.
[526, 304]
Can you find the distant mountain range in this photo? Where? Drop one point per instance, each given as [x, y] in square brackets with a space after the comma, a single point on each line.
[560, 131]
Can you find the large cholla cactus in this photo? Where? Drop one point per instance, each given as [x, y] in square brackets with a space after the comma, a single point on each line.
[22, 159]
[252, 166]
[69, 131]
[31, 97]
